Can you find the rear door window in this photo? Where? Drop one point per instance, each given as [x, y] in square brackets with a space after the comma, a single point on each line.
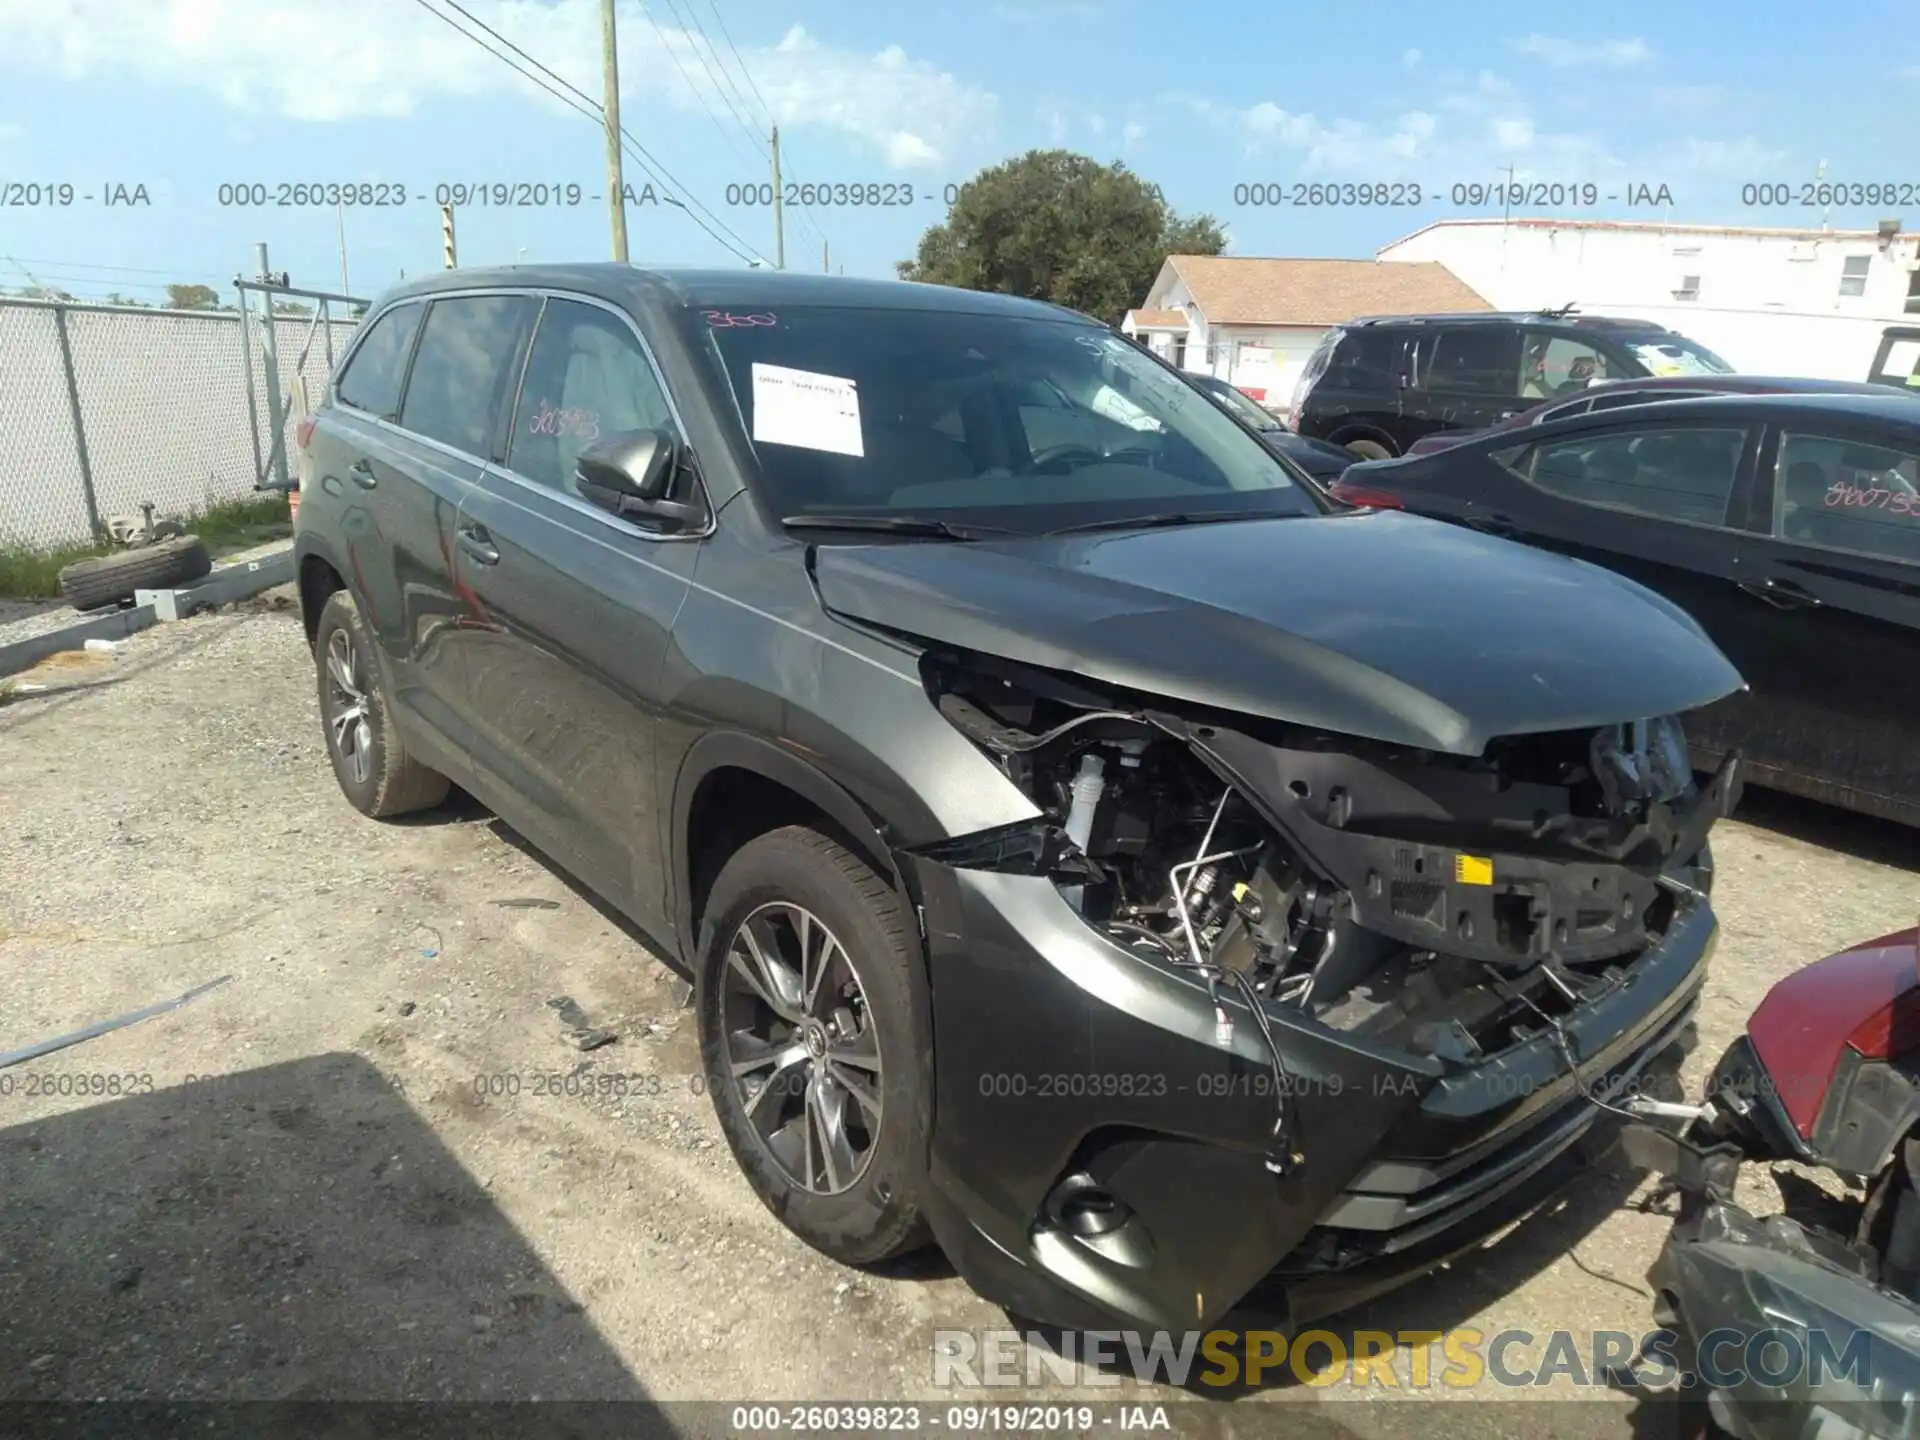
[1850, 496]
[1476, 360]
[1665, 474]
[378, 366]
[1367, 358]
[462, 376]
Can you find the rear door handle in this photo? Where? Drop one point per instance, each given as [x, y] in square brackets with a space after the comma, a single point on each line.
[363, 475]
[475, 540]
[1781, 594]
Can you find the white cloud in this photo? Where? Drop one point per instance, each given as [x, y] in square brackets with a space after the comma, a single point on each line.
[1410, 58]
[1066, 122]
[1908, 72]
[1563, 54]
[1475, 130]
[329, 60]
[1132, 134]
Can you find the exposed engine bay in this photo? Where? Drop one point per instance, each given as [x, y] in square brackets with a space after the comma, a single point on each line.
[1443, 904]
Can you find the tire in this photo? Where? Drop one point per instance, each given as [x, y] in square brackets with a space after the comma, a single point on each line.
[876, 1214]
[370, 760]
[109, 579]
[1369, 449]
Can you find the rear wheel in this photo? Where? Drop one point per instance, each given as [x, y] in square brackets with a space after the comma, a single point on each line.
[819, 1071]
[1369, 449]
[370, 760]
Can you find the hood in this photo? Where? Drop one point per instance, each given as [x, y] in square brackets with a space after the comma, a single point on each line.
[1374, 623]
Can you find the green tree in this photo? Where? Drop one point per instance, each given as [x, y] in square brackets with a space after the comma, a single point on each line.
[192, 297]
[1053, 225]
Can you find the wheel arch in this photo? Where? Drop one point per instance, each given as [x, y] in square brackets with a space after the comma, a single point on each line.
[317, 578]
[733, 787]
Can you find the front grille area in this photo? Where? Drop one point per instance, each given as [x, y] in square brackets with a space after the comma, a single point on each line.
[1396, 1206]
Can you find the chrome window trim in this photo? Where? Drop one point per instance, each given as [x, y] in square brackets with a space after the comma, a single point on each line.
[545, 294]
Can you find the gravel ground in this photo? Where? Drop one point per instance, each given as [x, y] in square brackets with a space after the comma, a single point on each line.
[232, 1200]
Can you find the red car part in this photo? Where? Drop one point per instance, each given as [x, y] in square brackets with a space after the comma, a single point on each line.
[1866, 998]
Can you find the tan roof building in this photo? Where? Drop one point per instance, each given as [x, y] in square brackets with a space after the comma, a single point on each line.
[1255, 320]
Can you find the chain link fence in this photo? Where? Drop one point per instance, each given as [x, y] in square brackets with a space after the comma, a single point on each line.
[107, 407]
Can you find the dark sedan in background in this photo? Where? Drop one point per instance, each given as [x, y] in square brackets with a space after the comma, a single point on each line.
[1322, 461]
[1613, 394]
[1787, 525]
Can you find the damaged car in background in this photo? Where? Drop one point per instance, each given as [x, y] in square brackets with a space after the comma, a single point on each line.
[1804, 1323]
[1094, 851]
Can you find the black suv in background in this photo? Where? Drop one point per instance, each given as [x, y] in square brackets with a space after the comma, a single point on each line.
[1377, 385]
[953, 693]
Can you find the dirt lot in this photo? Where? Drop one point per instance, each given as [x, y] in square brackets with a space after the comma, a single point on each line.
[334, 1210]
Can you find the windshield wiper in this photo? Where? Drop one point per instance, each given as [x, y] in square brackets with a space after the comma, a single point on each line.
[898, 525]
[1146, 522]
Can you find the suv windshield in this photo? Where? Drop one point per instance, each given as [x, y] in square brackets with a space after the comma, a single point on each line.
[1030, 423]
[1676, 355]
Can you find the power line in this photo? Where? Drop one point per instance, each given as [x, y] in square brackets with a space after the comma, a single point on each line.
[647, 161]
[692, 85]
[806, 210]
[652, 166]
[720, 78]
[124, 269]
[721, 20]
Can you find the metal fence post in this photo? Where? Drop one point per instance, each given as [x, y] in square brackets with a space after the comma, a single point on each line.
[79, 426]
[253, 405]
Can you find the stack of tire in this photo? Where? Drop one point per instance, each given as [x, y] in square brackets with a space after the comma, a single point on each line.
[104, 580]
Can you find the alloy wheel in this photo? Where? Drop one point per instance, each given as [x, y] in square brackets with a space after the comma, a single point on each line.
[347, 724]
[801, 1049]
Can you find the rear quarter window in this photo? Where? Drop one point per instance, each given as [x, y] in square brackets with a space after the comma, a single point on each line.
[378, 366]
[1367, 359]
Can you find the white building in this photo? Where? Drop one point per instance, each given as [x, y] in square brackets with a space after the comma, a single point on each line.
[1255, 321]
[1771, 301]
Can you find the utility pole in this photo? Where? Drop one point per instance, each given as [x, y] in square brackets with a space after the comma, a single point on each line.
[779, 235]
[823, 257]
[270, 366]
[446, 236]
[610, 106]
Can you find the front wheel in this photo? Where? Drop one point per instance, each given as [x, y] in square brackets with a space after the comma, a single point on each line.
[819, 1066]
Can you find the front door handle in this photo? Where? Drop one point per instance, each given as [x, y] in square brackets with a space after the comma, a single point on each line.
[475, 540]
[363, 475]
[1499, 525]
[1781, 594]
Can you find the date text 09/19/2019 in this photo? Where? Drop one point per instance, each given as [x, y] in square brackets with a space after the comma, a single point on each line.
[1465, 195]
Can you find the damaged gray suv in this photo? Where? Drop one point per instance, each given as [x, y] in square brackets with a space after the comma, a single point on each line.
[1095, 851]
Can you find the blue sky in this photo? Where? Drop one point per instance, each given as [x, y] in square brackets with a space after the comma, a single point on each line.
[184, 96]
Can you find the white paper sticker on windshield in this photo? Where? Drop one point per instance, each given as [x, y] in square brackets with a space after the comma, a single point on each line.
[806, 409]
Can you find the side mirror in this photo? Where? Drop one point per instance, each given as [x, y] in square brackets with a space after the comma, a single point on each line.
[630, 474]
